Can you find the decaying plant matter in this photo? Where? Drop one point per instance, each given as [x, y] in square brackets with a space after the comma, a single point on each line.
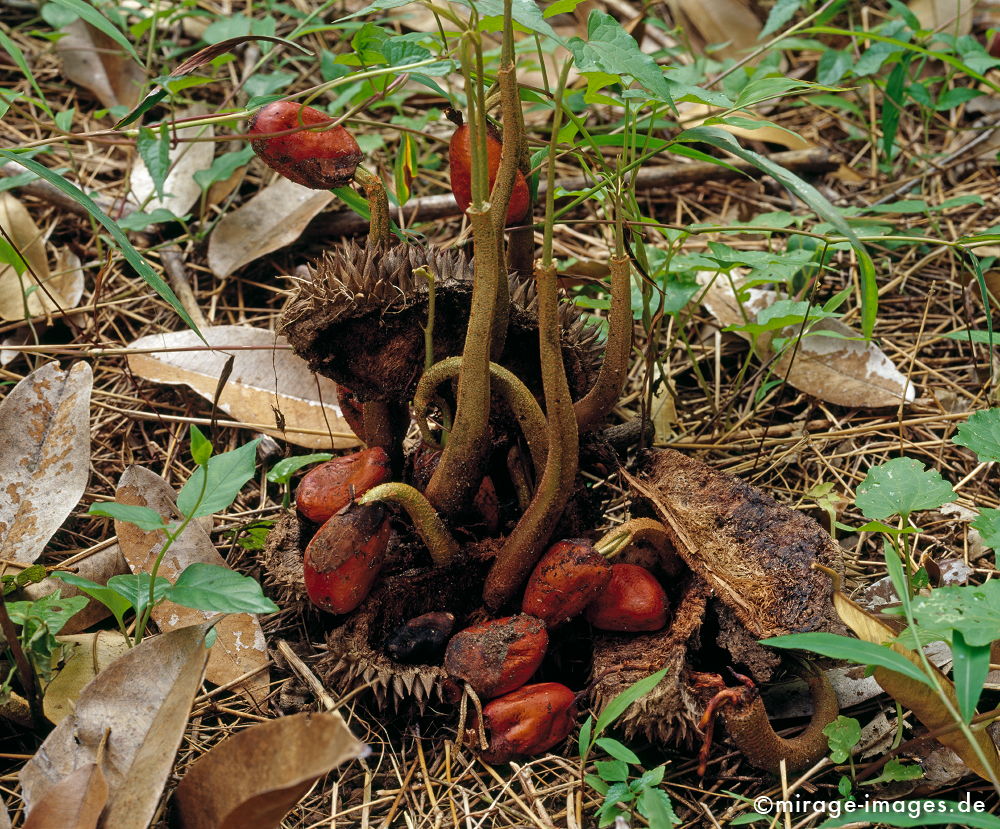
[396, 325]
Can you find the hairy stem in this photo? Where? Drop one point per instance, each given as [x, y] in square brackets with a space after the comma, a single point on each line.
[378, 206]
[426, 522]
[597, 403]
[522, 404]
[637, 530]
[385, 425]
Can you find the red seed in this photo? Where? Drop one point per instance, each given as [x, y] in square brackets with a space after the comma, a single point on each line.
[529, 721]
[460, 171]
[344, 558]
[633, 601]
[326, 489]
[499, 655]
[319, 160]
[566, 579]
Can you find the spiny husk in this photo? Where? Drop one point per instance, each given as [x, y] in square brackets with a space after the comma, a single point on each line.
[358, 318]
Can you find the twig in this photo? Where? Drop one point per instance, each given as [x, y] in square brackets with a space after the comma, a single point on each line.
[303, 672]
[173, 264]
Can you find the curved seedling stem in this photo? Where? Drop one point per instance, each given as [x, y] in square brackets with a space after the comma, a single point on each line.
[378, 206]
[426, 522]
[522, 404]
[637, 530]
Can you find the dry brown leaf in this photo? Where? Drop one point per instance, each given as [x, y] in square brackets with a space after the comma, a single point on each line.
[714, 22]
[180, 190]
[693, 115]
[252, 779]
[142, 700]
[75, 802]
[98, 567]
[271, 220]
[44, 456]
[9, 348]
[846, 372]
[914, 695]
[4, 816]
[240, 647]
[953, 17]
[94, 61]
[85, 656]
[266, 375]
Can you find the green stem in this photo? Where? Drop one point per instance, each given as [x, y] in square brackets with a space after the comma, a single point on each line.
[516, 395]
[378, 206]
[426, 521]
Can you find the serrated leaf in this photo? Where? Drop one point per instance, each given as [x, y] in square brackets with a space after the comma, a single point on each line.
[218, 589]
[655, 806]
[981, 434]
[988, 524]
[902, 486]
[143, 517]
[222, 479]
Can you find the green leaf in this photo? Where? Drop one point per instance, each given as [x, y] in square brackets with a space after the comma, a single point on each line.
[525, 14]
[223, 167]
[132, 256]
[655, 806]
[222, 479]
[611, 52]
[781, 12]
[155, 151]
[201, 446]
[140, 221]
[282, 471]
[618, 751]
[981, 434]
[916, 813]
[971, 665]
[653, 777]
[614, 709]
[812, 197]
[894, 771]
[972, 610]
[99, 21]
[988, 524]
[612, 770]
[596, 783]
[902, 486]
[135, 589]
[114, 601]
[144, 518]
[585, 733]
[842, 735]
[561, 7]
[850, 650]
[219, 589]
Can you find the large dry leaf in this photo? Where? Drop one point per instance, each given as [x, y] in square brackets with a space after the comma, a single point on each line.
[98, 567]
[76, 802]
[85, 655]
[694, 115]
[252, 779]
[266, 375]
[180, 190]
[954, 17]
[44, 456]
[94, 61]
[714, 22]
[240, 647]
[831, 362]
[271, 220]
[916, 696]
[143, 700]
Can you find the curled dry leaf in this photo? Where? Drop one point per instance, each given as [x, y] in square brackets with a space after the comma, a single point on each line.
[240, 646]
[180, 190]
[36, 291]
[85, 656]
[271, 220]
[142, 700]
[266, 375]
[916, 696]
[831, 362]
[44, 456]
[713, 22]
[94, 61]
[98, 567]
[250, 780]
[75, 802]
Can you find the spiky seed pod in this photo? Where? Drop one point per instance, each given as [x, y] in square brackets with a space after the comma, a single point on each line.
[358, 318]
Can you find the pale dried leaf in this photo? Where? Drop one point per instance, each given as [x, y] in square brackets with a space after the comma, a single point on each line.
[953, 17]
[252, 779]
[85, 655]
[143, 700]
[240, 647]
[98, 567]
[20, 291]
[918, 697]
[180, 190]
[94, 61]
[67, 279]
[271, 220]
[9, 348]
[44, 456]
[694, 115]
[714, 22]
[4, 816]
[75, 802]
[266, 375]
[846, 372]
